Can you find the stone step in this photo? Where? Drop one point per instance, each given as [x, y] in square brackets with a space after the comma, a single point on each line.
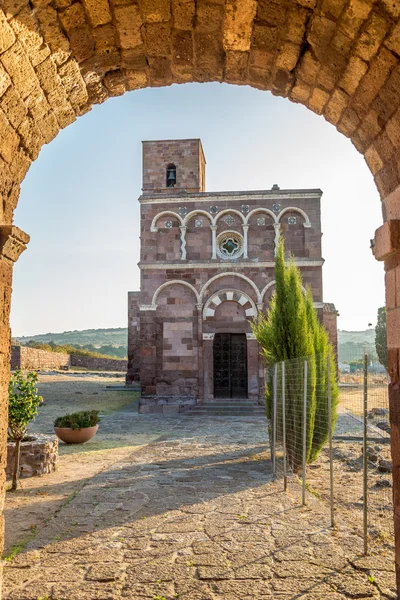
[227, 409]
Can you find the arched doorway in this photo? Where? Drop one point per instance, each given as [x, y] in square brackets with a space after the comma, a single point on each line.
[341, 60]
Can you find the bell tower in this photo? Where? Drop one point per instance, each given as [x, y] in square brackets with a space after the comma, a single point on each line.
[173, 166]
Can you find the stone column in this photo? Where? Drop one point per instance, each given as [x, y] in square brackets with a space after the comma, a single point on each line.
[214, 241]
[208, 365]
[245, 248]
[200, 354]
[13, 242]
[277, 231]
[386, 247]
[183, 241]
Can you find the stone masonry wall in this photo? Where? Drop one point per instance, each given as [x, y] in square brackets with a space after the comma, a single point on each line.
[184, 154]
[33, 359]
[93, 363]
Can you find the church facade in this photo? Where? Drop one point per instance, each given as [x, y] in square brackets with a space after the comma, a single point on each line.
[207, 269]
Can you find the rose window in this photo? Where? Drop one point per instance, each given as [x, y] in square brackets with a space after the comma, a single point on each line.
[230, 245]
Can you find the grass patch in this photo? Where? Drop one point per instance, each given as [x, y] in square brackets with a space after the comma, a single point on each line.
[19, 547]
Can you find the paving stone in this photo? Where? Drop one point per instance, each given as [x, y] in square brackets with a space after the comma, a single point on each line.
[140, 534]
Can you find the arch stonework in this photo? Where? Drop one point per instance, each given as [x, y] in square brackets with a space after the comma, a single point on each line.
[164, 213]
[232, 295]
[158, 291]
[340, 60]
[295, 209]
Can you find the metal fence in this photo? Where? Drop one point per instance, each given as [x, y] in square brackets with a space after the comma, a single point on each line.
[351, 472]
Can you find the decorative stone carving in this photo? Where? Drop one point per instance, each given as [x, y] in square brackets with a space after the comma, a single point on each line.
[198, 223]
[230, 245]
[245, 208]
[276, 208]
[13, 242]
[261, 221]
[168, 224]
[229, 220]
[213, 210]
[182, 211]
[183, 241]
[292, 220]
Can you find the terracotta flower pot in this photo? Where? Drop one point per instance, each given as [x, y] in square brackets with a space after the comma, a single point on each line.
[75, 436]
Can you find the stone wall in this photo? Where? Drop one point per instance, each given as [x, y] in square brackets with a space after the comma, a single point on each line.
[186, 155]
[33, 359]
[133, 371]
[98, 364]
[38, 456]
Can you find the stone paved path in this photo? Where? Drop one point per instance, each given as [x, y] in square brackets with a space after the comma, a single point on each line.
[194, 515]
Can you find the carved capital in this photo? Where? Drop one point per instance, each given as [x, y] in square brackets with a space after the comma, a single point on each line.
[13, 242]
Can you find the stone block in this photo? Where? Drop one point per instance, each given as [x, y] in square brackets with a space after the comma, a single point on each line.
[393, 329]
[9, 139]
[129, 23]
[7, 36]
[170, 409]
[158, 39]
[99, 11]
[20, 70]
[25, 27]
[52, 32]
[13, 107]
[387, 240]
[391, 206]
[155, 11]
[238, 24]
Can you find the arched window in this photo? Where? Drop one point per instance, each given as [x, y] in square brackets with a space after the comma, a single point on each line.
[171, 176]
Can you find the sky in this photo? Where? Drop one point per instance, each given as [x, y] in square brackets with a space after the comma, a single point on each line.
[79, 199]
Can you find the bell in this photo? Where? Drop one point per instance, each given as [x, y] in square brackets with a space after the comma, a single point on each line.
[171, 175]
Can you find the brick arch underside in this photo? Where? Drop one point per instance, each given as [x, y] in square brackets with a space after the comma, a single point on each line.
[339, 58]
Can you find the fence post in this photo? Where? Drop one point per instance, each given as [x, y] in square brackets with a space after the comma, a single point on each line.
[330, 441]
[274, 408]
[284, 428]
[365, 457]
[304, 434]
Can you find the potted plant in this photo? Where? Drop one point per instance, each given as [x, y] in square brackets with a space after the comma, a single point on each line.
[77, 428]
[23, 403]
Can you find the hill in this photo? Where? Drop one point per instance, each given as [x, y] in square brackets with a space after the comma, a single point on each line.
[93, 337]
[351, 343]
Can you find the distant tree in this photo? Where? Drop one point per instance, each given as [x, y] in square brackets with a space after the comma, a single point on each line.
[381, 338]
[24, 401]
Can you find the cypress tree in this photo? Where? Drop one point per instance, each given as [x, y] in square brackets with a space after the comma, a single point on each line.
[291, 330]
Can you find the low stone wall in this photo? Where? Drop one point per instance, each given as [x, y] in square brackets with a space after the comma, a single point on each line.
[38, 456]
[32, 359]
[98, 364]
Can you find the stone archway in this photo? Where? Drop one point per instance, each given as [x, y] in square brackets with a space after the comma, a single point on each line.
[340, 58]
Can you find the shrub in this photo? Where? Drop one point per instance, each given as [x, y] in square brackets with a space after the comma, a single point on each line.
[78, 420]
[24, 401]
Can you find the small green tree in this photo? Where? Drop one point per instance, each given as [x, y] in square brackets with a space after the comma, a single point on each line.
[291, 330]
[24, 401]
[380, 338]
[323, 350]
